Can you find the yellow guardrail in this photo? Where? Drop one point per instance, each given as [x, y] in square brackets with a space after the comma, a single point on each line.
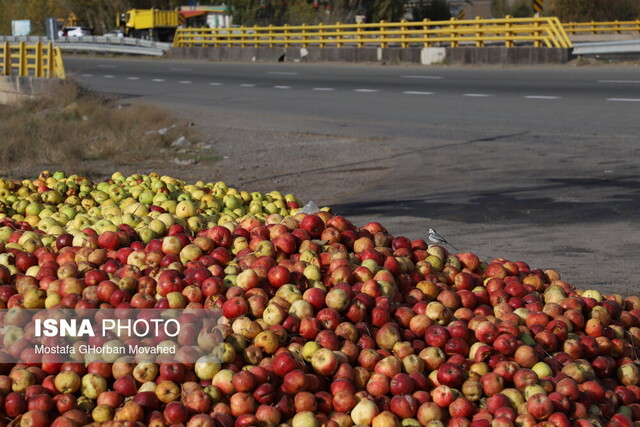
[36, 60]
[617, 27]
[540, 31]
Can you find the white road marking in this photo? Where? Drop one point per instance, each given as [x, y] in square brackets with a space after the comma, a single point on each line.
[620, 81]
[476, 95]
[422, 77]
[624, 99]
[282, 87]
[323, 89]
[157, 80]
[283, 73]
[185, 82]
[108, 76]
[541, 97]
[247, 85]
[133, 78]
[87, 75]
[366, 90]
[416, 92]
[215, 84]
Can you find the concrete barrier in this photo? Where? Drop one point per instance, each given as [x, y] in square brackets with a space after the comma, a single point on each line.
[506, 56]
[16, 89]
[391, 55]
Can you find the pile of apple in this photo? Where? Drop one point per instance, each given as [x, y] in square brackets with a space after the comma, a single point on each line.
[55, 203]
[323, 323]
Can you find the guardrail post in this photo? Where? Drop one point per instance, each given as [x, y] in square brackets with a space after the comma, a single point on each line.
[403, 34]
[256, 37]
[321, 41]
[305, 36]
[425, 34]
[508, 42]
[360, 31]
[22, 59]
[39, 71]
[59, 65]
[480, 32]
[49, 61]
[536, 35]
[286, 35]
[454, 35]
[339, 34]
[243, 37]
[6, 59]
[177, 38]
[271, 40]
[383, 34]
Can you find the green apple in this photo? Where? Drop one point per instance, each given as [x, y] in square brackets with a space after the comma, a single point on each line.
[542, 369]
[309, 349]
[185, 209]
[159, 198]
[371, 265]
[195, 223]
[532, 389]
[146, 235]
[592, 293]
[116, 193]
[5, 233]
[99, 196]
[158, 227]
[137, 209]
[169, 206]
[146, 197]
[33, 208]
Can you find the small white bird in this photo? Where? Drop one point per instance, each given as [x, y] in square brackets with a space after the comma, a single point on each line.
[437, 239]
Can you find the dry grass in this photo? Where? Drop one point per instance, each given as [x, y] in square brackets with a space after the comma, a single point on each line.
[71, 127]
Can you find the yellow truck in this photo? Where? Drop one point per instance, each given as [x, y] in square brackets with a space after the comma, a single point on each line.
[151, 24]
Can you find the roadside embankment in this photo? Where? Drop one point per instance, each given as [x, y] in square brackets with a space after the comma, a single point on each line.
[14, 89]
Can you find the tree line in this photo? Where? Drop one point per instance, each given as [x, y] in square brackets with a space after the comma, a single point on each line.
[97, 14]
[101, 14]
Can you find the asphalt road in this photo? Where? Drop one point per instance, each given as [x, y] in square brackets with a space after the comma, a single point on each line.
[532, 164]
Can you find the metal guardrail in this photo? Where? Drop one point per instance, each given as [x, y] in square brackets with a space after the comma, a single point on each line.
[607, 48]
[111, 48]
[117, 40]
[102, 44]
[36, 60]
[539, 31]
[617, 27]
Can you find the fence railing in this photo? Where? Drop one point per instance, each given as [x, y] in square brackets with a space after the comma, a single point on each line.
[616, 27]
[509, 32]
[36, 60]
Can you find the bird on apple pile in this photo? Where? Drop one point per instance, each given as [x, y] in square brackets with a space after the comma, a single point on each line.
[437, 239]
